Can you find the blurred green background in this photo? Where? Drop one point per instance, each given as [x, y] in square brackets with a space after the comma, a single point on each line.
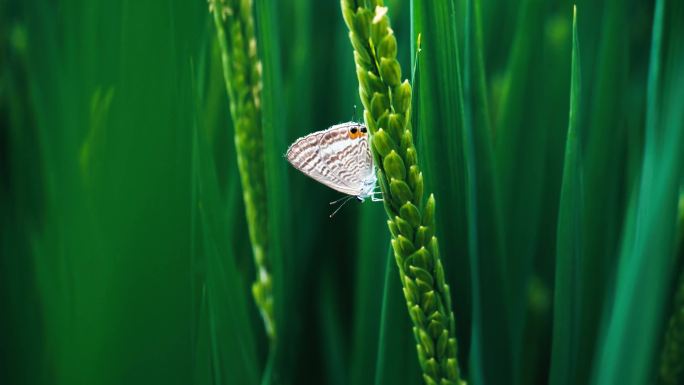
[124, 255]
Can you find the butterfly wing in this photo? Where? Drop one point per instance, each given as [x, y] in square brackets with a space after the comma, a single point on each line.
[335, 158]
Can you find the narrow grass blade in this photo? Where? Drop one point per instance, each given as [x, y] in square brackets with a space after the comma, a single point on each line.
[490, 356]
[279, 211]
[392, 364]
[605, 148]
[332, 332]
[635, 319]
[231, 339]
[520, 148]
[438, 123]
[569, 242]
[369, 297]
[202, 359]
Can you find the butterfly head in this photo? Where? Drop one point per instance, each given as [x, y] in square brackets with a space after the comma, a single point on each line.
[356, 132]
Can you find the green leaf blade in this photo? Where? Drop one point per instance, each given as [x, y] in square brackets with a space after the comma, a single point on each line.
[569, 244]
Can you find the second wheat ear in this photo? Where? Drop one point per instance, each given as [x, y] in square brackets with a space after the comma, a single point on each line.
[242, 73]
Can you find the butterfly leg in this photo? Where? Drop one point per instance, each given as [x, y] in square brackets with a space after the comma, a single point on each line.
[374, 199]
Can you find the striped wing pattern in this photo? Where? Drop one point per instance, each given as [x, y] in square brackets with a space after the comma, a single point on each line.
[334, 158]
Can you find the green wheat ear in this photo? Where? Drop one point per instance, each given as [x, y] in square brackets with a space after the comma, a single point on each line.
[387, 109]
[242, 73]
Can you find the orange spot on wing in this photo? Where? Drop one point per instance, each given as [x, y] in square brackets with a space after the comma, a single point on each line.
[357, 134]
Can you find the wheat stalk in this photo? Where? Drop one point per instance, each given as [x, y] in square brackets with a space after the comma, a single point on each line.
[387, 109]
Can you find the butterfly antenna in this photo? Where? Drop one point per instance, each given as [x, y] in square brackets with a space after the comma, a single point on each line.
[346, 199]
[354, 114]
[338, 200]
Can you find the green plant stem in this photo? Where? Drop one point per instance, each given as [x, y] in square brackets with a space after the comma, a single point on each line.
[243, 76]
[387, 109]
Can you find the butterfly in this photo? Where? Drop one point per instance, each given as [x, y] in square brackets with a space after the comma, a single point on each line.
[339, 157]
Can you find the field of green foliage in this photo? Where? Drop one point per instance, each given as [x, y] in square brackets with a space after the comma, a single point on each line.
[530, 156]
